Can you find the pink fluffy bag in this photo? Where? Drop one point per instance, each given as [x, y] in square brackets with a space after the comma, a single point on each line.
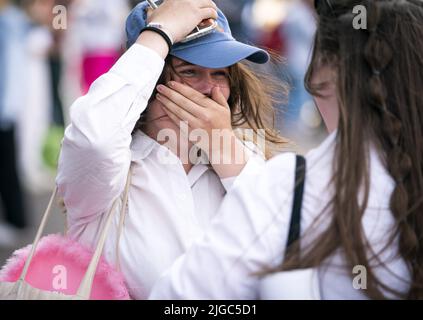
[56, 267]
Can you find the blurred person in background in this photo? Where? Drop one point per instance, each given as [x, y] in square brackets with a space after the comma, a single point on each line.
[261, 20]
[233, 10]
[92, 44]
[297, 31]
[286, 28]
[34, 124]
[13, 30]
[56, 68]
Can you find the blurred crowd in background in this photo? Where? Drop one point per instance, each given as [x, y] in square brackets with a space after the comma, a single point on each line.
[52, 50]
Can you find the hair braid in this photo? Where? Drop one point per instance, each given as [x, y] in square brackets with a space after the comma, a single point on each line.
[378, 55]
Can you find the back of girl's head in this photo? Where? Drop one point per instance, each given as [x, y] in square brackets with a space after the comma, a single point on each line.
[378, 69]
[379, 77]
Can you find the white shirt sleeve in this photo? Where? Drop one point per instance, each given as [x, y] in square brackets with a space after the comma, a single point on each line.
[95, 155]
[248, 235]
[254, 164]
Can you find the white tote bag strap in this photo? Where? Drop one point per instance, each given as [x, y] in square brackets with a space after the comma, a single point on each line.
[122, 219]
[84, 290]
[38, 236]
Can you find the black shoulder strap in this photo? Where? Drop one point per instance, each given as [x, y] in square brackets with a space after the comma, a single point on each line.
[295, 225]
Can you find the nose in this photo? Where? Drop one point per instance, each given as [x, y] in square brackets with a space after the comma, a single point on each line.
[205, 84]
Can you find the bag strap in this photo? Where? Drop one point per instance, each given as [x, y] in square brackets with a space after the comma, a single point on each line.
[84, 290]
[38, 235]
[122, 220]
[295, 225]
[119, 233]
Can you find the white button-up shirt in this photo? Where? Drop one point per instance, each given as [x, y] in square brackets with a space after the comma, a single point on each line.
[250, 232]
[167, 208]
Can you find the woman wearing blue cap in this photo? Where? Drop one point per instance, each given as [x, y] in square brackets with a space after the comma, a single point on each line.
[177, 185]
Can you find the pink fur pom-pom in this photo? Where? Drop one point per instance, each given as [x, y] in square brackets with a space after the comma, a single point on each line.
[59, 265]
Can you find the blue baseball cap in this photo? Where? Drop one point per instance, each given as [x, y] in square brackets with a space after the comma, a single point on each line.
[215, 50]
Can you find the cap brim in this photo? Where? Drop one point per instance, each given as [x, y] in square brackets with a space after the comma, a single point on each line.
[221, 54]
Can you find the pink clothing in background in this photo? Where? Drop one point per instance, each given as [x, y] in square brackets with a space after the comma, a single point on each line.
[95, 64]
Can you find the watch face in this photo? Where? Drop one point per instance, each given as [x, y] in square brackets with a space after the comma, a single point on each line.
[157, 2]
[204, 28]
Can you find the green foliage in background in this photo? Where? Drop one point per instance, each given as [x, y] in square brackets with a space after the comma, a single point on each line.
[51, 147]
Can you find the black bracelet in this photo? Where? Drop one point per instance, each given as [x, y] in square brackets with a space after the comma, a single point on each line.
[160, 32]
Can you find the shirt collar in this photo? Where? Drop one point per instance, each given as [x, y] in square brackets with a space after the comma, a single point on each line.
[142, 145]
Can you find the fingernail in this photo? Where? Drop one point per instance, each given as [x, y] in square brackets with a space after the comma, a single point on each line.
[160, 88]
[171, 84]
[158, 96]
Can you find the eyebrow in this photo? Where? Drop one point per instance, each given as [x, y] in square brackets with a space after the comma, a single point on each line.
[182, 64]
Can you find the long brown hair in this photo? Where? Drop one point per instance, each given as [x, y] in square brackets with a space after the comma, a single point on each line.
[252, 102]
[379, 84]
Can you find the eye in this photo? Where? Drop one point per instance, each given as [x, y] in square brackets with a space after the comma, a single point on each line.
[221, 73]
[187, 72]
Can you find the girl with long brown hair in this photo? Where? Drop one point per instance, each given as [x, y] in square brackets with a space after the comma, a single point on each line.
[165, 133]
[360, 228]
